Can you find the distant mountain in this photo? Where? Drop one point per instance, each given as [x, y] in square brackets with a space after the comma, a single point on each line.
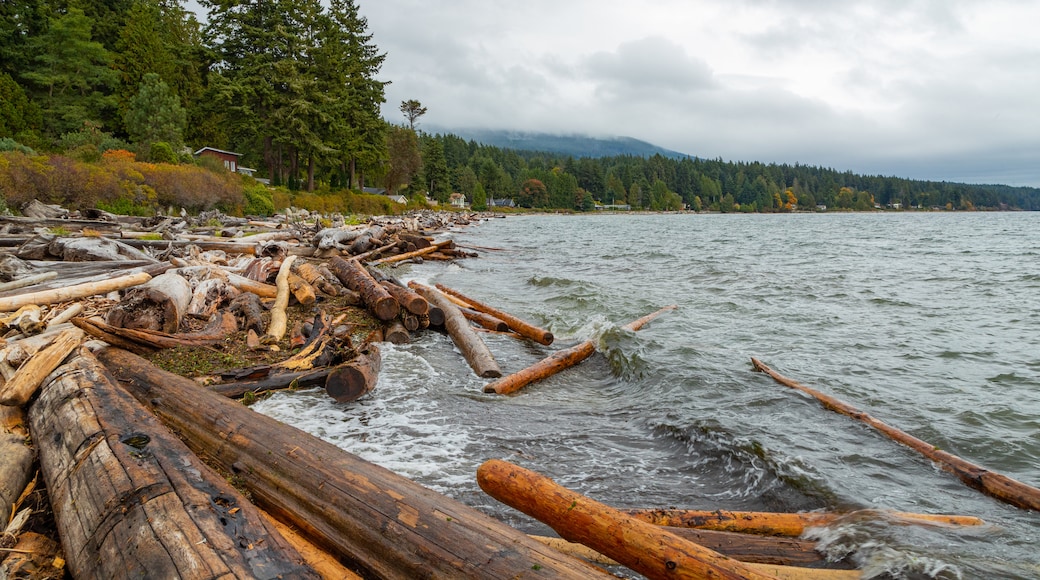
[575, 145]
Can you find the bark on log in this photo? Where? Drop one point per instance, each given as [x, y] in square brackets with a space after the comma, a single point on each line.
[643, 547]
[375, 297]
[559, 360]
[383, 523]
[783, 524]
[472, 347]
[72, 292]
[485, 320]
[248, 311]
[520, 327]
[312, 275]
[131, 501]
[158, 304]
[753, 548]
[31, 374]
[220, 325]
[16, 459]
[276, 327]
[351, 381]
[396, 333]
[408, 299]
[991, 483]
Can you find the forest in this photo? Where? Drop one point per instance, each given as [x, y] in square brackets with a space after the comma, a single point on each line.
[103, 101]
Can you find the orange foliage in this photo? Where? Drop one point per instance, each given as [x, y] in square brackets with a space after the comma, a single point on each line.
[119, 155]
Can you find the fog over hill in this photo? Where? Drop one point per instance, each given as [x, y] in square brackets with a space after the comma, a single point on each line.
[565, 144]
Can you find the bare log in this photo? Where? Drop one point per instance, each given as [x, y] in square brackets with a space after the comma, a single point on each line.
[72, 292]
[28, 320]
[520, 327]
[783, 524]
[301, 290]
[559, 360]
[28, 281]
[754, 547]
[375, 297]
[16, 459]
[379, 523]
[643, 547]
[472, 347]
[276, 327]
[158, 304]
[351, 381]
[274, 382]
[28, 377]
[220, 325]
[396, 333]
[209, 296]
[131, 501]
[65, 315]
[408, 299]
[325, 564]
[484, 320]
[991, 483]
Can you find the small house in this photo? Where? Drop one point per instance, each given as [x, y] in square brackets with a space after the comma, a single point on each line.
[457, 200]
[229, 158]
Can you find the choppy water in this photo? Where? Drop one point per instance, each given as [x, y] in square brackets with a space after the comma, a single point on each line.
[929, 322]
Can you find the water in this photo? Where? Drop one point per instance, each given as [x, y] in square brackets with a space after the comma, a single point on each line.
[929, 322]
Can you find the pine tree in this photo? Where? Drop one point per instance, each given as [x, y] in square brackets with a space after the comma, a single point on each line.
[155, 114]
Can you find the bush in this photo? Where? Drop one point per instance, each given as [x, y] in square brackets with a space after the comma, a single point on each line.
[9, 144]
[161, 152]
[258, 200]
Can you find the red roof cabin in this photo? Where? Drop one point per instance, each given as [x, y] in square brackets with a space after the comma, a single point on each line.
[229, 158]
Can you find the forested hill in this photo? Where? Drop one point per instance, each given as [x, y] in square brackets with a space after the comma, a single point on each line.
[574, 145]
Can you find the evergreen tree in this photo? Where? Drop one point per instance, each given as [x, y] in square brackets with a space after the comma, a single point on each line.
[480, 200]
[19, 118]
[155, 114]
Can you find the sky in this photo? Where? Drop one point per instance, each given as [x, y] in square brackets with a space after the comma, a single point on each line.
[946, 90]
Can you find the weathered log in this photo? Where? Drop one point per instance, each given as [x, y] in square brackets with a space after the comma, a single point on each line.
[158, 304]
[408, 299]
[28, 377]
[72, 292]
[229, 247]
[366, 240]
[325, 564]
[34, 557]
[373, 253]
[131, 501]
[485, 320]
[643, 547]
[28, 281]
[559, 360]
[436, 316]
[396, 333]
[28, 320]
[783, 524]
[991, 483]
[518, 326]
[16, 459]
[97, 328]
[248, 311]
[209, 296]
[313, 276]
[219, 326]
[472, 347]
[276, 326]
[65, 315]
[351, 381]
[781, 572]
[409, 255]
[301, 290]
[337, 238]
[375, 297]
[274, 382]
[378, 522]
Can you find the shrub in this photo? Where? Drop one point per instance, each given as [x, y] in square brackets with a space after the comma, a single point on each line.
[9, 144]
[161, 152]
[258, 200]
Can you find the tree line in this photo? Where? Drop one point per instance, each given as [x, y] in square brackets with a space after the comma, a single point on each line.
[292, 85]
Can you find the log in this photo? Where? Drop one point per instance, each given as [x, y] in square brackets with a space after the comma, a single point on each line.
[783, 524]
[28, 320]
[65, 315]
[518, 326]
[209, 296]
[248, 312]
[131, 501]
[301, 290]
[34, 557]
[351, 381]
[411, 321]
[16, 459]
[409, 255]
[396, 333]
[991, 483]
[754, 547]
[781, 572]
[158, 304]
[378, 523]
[472, 347]
[28, 281]
[274, 382]
[408, 299]
[645, 548]
[276, 327]
[485, 320]
[74, 292]
[312, 275]
[374, 296]
[327, 566]
[559, 360]
[220, 325]
[28, 377]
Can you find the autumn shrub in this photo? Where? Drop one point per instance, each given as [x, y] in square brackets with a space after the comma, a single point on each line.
[370, 204]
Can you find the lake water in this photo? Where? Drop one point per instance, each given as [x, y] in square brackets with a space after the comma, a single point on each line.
[927, 321]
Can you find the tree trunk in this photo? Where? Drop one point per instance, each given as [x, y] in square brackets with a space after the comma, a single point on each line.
[473, 348]
[520, 327]
[645, 548]
[131, 501]
[350, 381]
[989, 482]
[158, 304]
[12, 303]
[375, 297]
[484, 320]
[383, 523]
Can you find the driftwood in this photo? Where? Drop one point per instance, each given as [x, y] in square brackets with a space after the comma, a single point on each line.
[131, 501]
[382, 523]
[781, 572]
[220, 325]
[276, 327]
[72, 292]
[518, 326]
[28, 320]
[357, 278]
[645, 548]
[35, 556]
[409, 255]
[784, 524]
[560, 360]
[28, 281]
[158, 304]
[395, 332]
[301, 290]
[989, 482]
[753, 547]
[274, 382]
[408, 299]
[65, 315]
[16, 459]
[351, 381]
[472, 347]
[484, 320]
[327, 566]
[313, 276]
[31, 374]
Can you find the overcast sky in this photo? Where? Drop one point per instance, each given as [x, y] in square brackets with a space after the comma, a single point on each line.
[929, 89]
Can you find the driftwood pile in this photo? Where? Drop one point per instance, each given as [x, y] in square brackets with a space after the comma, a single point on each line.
[85, 318]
